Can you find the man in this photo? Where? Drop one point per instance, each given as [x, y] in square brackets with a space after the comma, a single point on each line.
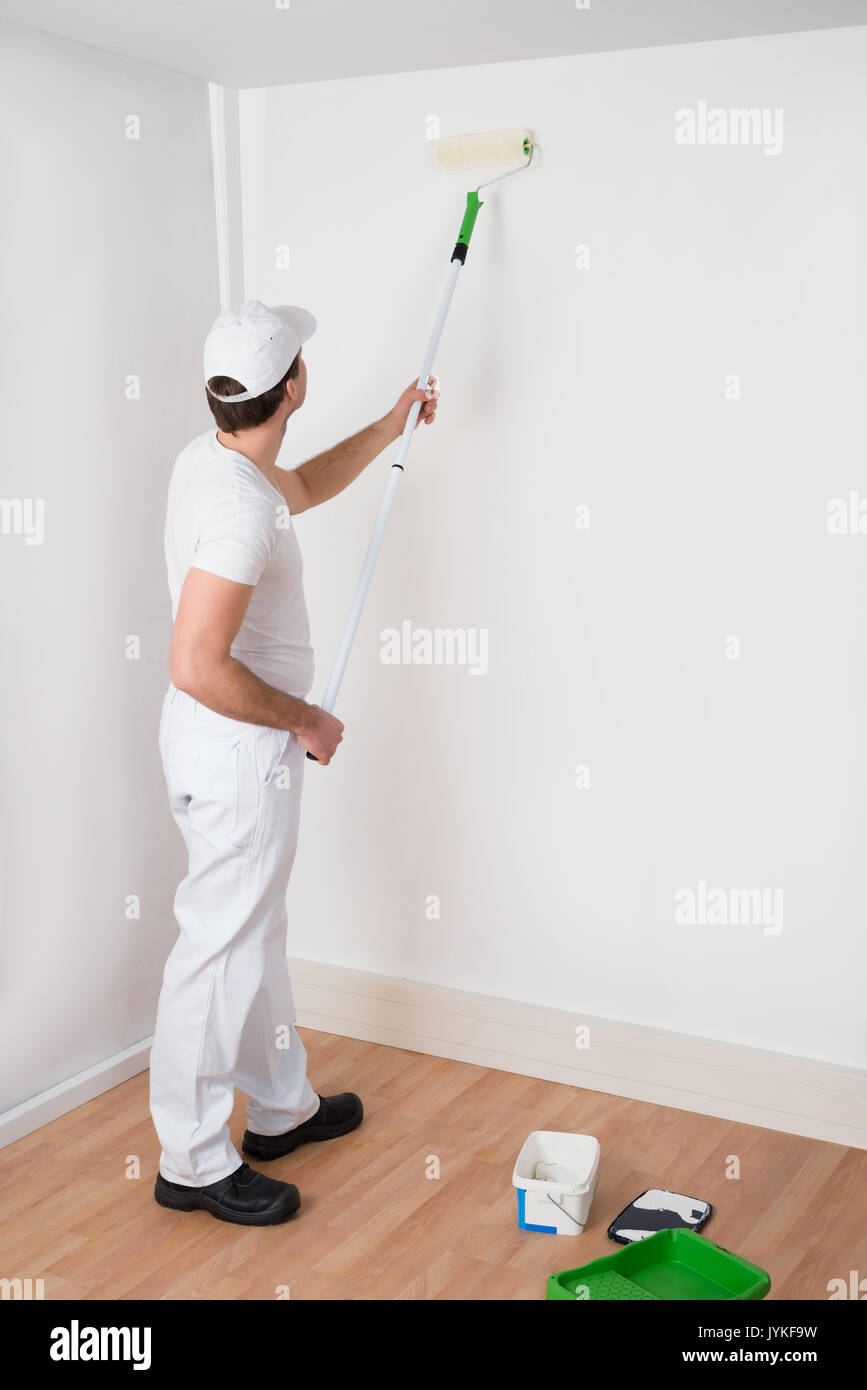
[233, 736]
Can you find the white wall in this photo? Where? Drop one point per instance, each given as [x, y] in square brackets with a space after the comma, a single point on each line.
[604, 386]
[108, 269]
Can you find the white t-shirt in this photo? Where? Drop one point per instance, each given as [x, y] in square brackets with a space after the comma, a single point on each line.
[225, 517]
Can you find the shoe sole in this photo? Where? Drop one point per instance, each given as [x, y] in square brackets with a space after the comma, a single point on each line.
[311, 1137]
[175, 1202]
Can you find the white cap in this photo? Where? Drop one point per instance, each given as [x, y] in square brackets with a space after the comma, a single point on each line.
[255, 346]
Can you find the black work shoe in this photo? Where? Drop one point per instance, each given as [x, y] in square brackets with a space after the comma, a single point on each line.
[336, 1115]
[245, 1197]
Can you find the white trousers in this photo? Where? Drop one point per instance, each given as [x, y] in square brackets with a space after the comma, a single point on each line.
[226, 1015]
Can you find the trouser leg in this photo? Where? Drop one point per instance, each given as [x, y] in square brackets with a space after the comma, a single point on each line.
[235, 791]
[272, 1062]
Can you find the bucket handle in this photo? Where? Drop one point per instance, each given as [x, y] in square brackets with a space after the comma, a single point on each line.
[579, 1224]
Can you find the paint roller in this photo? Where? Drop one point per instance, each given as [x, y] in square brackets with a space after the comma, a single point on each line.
[492, 149]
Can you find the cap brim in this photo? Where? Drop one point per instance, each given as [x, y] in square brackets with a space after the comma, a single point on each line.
[301, 320]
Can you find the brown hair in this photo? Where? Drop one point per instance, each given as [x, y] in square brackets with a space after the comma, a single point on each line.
[246, 415]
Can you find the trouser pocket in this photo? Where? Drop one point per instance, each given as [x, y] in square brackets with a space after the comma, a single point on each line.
[274, 746]
[221, 770]
[245, 792]
[257, 760]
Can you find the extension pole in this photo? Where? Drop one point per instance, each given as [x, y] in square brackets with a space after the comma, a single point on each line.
[396, 471]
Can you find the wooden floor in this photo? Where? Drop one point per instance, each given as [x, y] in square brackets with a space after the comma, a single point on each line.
[373, 1225]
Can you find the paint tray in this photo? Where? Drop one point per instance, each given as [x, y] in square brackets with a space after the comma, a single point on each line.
[668, 1265]
[658, 1209]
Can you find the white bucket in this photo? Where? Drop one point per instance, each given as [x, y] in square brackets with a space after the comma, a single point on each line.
[556, 1176]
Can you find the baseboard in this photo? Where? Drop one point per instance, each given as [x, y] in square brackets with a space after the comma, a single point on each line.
[49, 1105]
[792, 1094]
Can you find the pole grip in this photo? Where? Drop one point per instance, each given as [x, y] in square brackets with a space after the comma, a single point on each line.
[462, 244]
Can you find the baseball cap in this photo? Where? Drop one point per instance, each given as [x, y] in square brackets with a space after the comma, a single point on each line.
[256, 346]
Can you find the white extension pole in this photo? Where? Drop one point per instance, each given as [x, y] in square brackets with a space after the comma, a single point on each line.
[395, 474]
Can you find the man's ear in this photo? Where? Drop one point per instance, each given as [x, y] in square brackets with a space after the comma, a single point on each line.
[290, 391]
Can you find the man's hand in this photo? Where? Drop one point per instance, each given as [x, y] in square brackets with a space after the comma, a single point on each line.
[323, 477]
[397, 416]
[320, 734]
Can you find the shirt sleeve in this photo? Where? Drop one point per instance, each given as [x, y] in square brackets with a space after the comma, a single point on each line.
[236, 538]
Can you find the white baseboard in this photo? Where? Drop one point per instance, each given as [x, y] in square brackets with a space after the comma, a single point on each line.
[68, 1095]
[792, 1094]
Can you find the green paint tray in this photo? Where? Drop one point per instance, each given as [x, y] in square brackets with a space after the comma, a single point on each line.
[675, 1264]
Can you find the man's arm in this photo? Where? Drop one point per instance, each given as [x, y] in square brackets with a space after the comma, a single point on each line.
[324, 476]
[210, 613]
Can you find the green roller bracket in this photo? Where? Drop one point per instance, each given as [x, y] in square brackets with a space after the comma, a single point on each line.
[474, 202]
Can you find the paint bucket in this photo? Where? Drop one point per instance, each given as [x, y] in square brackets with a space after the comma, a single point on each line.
[556, 1176]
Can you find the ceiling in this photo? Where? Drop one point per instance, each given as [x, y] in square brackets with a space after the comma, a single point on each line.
[256, 43]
